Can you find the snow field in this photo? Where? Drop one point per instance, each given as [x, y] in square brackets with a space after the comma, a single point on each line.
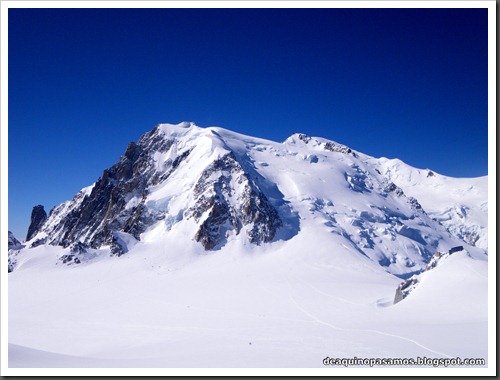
[244, 307]
[323, 287]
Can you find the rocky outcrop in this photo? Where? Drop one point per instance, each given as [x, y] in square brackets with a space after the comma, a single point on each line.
[328, 145]
[92, 216]
[392, 188]
[38, 217]
[415, 205]
[13, 242]
[408, 285]
[14, 247]
[212, 188]
[231, 209]
[226, 200]
[405, 288]
[304, 137]
[334, 147]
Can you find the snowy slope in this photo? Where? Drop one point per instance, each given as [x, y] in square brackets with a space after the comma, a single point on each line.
[460, 204]
[164, 304]
[215, 185]
[243, 252]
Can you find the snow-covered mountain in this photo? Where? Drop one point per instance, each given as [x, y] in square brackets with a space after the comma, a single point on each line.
[460, 204]
[202, 235]
[13, 242]
[212, 185]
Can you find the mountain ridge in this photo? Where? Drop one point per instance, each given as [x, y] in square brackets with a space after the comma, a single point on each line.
[243, 252]
[221, 185]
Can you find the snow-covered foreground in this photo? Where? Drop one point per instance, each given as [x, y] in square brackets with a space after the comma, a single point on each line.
[206, 248]
[287, 304]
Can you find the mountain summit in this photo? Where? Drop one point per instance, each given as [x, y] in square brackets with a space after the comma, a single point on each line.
[242, 252]
[214, 187]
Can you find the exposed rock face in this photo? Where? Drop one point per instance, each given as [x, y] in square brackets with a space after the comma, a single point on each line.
[407, 286]
[304, 137]
[391, 187]
[216, 195]
[94, 214]
[333, 147]
[12, 263]
[415, 205]
[325, 145]
[38, 242]
[38, 217]
[13, 242]
[213, 187]
[14, 247]
[226, 200]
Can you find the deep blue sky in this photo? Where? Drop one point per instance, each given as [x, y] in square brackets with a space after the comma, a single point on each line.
[405, 83]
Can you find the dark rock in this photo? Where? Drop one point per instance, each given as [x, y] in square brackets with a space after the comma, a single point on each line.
[12, 262]
[392, 188]
[304, 137]
[180, 158]
[405, 288]
[257, 210]
[11, 266]
[38, 217]
[70, 258]
[416, 205]
[253, 208]
[117, 249]
[14, 247]
[213, 229]
[67, 258]
[78, 248]
[333, 147]
[435, 259]
[38, 242]
[118, 243]
[225, 194]
[93, 216]
[13, 242]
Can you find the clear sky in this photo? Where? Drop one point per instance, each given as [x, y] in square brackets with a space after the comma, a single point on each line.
[398, 83]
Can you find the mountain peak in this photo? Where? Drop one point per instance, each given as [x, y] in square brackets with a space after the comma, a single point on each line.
[182, 124]
[296, 138]
[214, 187]
[176, 129]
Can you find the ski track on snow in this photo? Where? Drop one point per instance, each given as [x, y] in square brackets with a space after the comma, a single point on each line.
[320, 321]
